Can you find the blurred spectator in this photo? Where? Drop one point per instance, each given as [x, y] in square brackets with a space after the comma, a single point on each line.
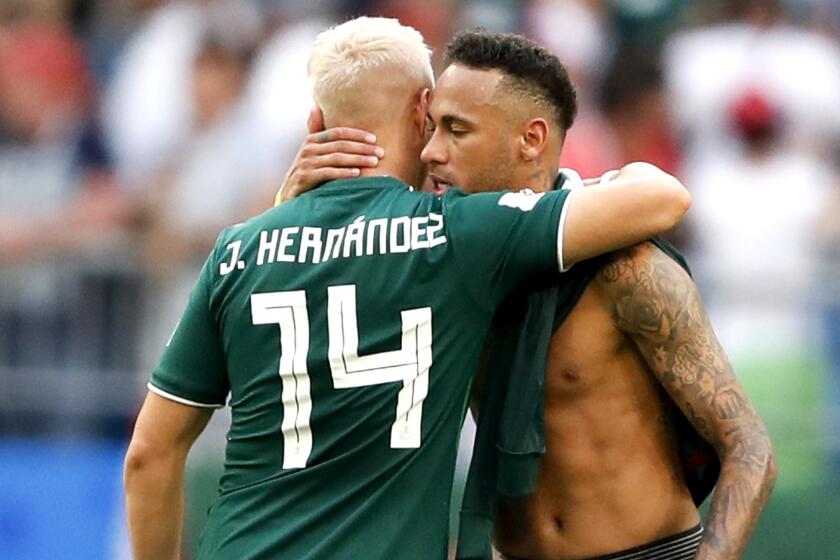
[40, 11]
[58, 207]
[435, 19]
[646, 23]
[634, 99]
[278, 98]
[58, 193]
[148, 105]
[104, 28]
[754, 46]
[494, 15]
[591, 146]
[756, 276]
[755, 98]
[577, 31]
[209, 182]
[55, 187]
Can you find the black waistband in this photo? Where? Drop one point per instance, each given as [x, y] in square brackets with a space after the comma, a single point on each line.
[680, 546]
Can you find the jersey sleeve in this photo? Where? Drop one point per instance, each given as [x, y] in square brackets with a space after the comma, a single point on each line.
[193, 370]
[500, 239]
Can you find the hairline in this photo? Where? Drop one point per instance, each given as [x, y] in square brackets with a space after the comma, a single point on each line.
[512, 86]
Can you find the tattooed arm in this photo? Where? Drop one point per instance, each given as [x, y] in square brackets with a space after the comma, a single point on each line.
[656, 304]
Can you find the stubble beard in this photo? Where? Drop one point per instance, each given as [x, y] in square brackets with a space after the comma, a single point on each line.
[497, 177]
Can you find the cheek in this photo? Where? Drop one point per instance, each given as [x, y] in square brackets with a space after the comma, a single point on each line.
[491, 169]
[470, 156]
[489, 178]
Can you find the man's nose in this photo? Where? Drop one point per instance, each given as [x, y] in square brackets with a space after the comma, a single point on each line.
[434, 151]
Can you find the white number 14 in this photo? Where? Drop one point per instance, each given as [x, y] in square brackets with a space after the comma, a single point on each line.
[409, 365]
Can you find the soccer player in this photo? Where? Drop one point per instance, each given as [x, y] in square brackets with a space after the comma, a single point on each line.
[346, 326]
[612, 482]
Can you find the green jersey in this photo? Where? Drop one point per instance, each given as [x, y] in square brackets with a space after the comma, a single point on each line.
[346, 325]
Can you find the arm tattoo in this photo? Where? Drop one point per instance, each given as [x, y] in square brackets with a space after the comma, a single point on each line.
[655, 303]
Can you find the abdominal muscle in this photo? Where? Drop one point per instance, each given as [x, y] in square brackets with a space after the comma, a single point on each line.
[611, 478]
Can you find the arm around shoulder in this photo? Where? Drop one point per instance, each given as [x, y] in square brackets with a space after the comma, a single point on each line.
[641, 202]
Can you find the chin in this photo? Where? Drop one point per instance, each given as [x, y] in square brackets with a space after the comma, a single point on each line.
[490, 187]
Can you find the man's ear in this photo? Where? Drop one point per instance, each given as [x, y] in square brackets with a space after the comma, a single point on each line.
[315, 122]
[534, 139]
[422, 110]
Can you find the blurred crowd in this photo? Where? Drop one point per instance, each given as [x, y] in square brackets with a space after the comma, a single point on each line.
[132, 131]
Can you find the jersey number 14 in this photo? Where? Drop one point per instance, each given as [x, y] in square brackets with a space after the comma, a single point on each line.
[409, 365]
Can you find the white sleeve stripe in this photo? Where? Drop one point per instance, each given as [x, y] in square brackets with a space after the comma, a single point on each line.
[573, 179]
[181, 400]
[560, 227]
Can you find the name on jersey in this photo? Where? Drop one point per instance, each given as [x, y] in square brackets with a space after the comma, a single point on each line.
[313, 245]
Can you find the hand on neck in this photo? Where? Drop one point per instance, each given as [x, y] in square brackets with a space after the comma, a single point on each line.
[401, 160]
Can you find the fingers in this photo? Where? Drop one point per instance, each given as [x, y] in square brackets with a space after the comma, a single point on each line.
[342, 133]
[340, 160]
[315, 122]
[336, 153]
[340, 153]
[325, 174]
[609, 176]
[605, 178]
[639, 169]
[342, 147]
[346, 147]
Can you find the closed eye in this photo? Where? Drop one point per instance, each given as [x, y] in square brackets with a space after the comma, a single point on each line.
[455, 125]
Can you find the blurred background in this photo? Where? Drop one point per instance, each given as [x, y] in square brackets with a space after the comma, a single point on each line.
[132, 131]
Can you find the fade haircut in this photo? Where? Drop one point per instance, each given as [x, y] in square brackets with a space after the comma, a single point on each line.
[528, 69]
[349, 60]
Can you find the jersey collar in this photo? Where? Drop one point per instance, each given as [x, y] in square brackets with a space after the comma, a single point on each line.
[363, 183]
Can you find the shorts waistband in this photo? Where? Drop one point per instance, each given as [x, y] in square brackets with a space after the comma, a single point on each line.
[680, 546]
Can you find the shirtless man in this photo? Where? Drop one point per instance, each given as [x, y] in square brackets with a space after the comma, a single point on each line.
[611, 482]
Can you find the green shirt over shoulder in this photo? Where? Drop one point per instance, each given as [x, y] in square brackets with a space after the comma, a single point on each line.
[346, 326]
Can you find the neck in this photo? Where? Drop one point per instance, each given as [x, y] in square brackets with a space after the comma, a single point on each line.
[400, 161]
[538, 177]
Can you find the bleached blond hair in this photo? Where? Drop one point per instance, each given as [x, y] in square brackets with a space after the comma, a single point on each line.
[349, 62]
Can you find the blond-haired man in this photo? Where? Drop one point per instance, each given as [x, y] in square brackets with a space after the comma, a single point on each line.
[346, 326]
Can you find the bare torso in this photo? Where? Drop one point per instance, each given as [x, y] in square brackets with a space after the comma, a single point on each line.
[611, 478]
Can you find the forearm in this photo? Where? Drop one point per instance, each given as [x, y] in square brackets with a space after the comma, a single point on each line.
[748, 472]
[155, 507]
[636, 205]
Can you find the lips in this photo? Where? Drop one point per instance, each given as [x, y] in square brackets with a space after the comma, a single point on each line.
[440, 185]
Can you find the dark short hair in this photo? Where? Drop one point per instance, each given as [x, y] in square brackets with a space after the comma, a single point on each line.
[532, 68]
